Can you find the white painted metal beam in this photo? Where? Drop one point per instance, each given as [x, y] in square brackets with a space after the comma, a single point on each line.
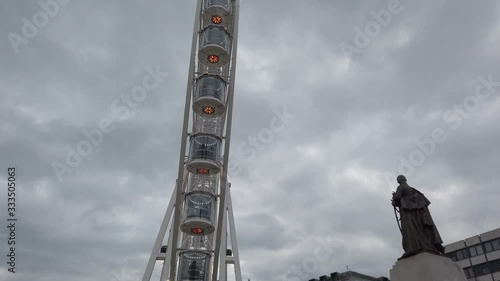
[182, 155]
[155, 254]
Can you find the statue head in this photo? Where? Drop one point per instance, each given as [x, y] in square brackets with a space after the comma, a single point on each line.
[401, 179]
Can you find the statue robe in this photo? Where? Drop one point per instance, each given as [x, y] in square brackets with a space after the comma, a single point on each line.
[419, 231]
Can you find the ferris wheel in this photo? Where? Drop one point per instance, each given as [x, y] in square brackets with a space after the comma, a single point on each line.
[200, 209]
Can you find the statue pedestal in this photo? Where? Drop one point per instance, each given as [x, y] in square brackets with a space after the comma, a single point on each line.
[427, 267]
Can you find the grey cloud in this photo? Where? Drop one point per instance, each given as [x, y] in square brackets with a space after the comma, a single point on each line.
[322, 176]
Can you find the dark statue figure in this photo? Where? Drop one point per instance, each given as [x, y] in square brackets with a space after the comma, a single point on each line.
[193, 273]
[417, 227]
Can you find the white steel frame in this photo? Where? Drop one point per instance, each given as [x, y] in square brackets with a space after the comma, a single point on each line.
[220, 260]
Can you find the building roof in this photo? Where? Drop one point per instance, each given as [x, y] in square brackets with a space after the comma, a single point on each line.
[348, 275]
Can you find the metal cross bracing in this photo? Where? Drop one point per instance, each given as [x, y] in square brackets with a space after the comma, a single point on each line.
[200, 209]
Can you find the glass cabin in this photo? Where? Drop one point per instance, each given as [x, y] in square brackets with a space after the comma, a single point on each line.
[199, 213]
[209, 96]
[204, 155]
[215, 44]
[217, 12]
[194, 266]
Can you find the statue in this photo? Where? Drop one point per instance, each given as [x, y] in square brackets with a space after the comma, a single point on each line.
[417, 227]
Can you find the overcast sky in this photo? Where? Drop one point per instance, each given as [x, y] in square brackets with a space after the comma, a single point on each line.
[353, 93]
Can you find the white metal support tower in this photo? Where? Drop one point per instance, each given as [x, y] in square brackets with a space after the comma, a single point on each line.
[200, 209]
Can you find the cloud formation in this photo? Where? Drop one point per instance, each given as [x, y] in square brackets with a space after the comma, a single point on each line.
[322, 179]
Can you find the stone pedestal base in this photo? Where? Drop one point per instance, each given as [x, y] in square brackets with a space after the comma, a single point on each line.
[427, 267]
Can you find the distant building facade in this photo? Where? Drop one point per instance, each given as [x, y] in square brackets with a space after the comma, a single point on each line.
[479, 256]
[349, 276]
